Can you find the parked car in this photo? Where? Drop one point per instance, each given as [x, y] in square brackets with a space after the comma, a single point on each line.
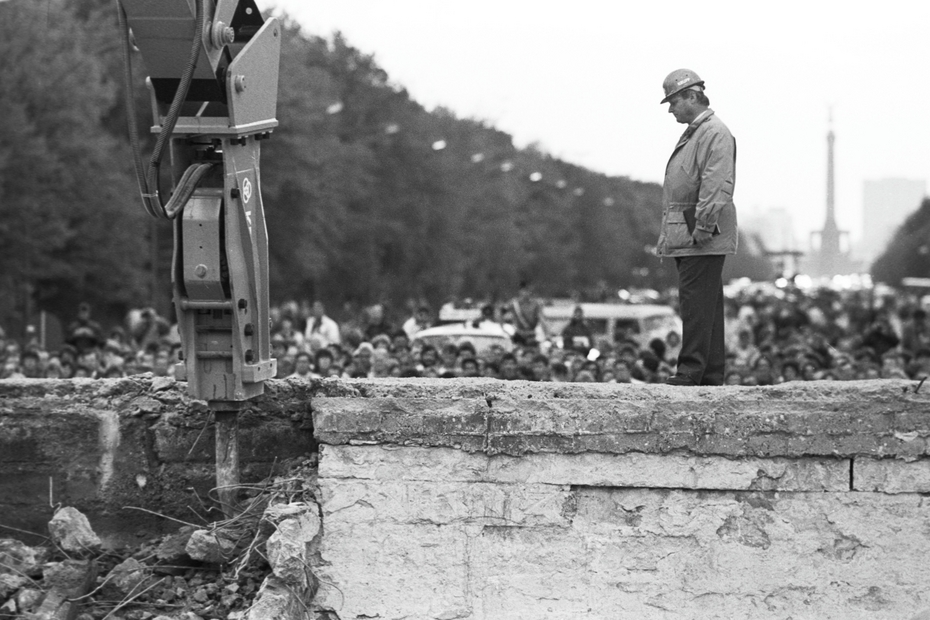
[641, 322]
[483, 337]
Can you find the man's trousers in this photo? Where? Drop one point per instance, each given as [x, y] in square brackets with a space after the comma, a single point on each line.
[700, 294]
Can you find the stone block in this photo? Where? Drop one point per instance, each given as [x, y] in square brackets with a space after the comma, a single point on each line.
[380, 462]
[891, 476]
[648, 553]
[632, 469]
[401, 420]
[791, 421]
[393, 571]
[672, 471]
[529, 573]
[347, 503]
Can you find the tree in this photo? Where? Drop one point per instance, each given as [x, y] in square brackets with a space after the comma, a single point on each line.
[66, 233]
[908, 253]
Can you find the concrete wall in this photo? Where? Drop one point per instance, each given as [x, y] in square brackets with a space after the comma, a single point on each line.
[471, 500]
[103, 446]
[477, 499]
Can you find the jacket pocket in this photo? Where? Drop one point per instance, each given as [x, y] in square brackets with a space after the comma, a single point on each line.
[677, 235]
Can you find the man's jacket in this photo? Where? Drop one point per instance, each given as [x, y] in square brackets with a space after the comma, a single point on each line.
[698, 191]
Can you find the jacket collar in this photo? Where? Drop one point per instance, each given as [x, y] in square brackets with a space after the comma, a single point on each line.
[689, 131]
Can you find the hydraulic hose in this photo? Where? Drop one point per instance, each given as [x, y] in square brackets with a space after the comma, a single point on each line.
[131, 110]
[185, 188]
[149, 179]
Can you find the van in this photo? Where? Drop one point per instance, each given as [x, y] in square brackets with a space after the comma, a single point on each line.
[641, 322]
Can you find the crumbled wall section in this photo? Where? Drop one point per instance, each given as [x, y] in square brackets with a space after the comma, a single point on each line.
[487, 500]
[105, 445]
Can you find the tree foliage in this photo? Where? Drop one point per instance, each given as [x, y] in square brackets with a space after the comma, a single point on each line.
[65, 230]
[908, 253]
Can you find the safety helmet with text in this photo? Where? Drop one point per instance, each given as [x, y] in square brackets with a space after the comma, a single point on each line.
[679, 80]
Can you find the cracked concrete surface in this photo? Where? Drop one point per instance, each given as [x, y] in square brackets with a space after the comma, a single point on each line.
[556, 503]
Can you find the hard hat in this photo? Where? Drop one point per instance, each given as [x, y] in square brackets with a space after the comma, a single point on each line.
[679, 80]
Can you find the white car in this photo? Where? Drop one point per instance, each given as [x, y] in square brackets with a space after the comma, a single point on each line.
[483, 337]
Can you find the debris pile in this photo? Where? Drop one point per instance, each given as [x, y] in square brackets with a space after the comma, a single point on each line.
[252, 566]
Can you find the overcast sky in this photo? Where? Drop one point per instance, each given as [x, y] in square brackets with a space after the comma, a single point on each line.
[583, 79]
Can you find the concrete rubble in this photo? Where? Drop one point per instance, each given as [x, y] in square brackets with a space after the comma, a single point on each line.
[210, 546]
[71, 530]
[207, 573]
[287, 592]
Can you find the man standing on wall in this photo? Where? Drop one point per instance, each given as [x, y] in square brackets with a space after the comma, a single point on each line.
[698, 226]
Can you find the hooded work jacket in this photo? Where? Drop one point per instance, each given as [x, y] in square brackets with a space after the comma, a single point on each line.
[699, 182]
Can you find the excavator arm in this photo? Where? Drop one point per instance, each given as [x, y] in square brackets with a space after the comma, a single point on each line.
[213, 79]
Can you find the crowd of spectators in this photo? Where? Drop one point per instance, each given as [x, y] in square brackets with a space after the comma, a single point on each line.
[147, 343]
[773, 336]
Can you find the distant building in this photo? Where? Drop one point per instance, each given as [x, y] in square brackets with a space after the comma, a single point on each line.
[886, 203]
[774, 226]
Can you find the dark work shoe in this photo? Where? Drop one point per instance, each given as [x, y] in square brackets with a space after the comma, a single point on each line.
[680, 380]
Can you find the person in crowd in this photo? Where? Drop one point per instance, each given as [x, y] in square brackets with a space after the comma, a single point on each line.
[399, 341]
[790, 371]
[745, 353]
[322, 327]
[559, 373]
[448, 359]
[279, 352]
[539, 368]
[31, 364]
[880, 337]
[377, 322]
[577, 335]
[915, 333]
[698, 226]
[429, 359]
[526, 312]
[382, 364]
[585, 376]
[303, 366]
[509, 370]
[470, 367]
[622, 372]
[491, 370]
[362, 359]
[84, 333]
[291, 335]
[658, 346]
[488, 320]
[323, 365]
[149, 329]
[421, 319]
